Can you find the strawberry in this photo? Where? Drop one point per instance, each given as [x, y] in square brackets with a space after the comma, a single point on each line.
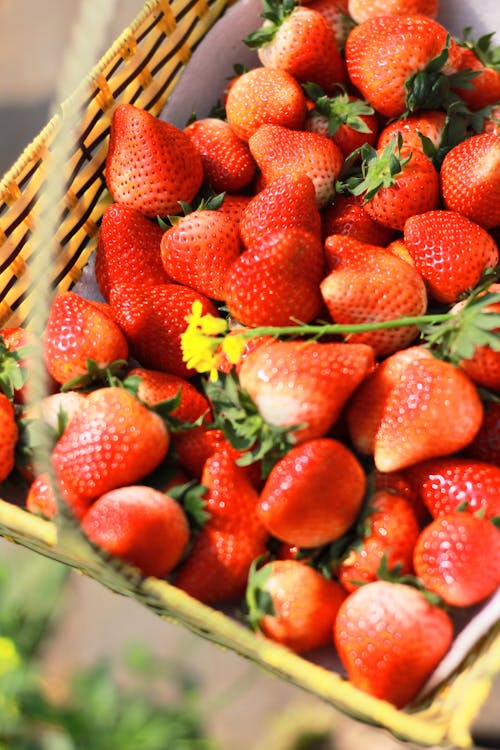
[153, 318]
[198, 249]
[228, 165]
[427, 123]
[347, 120]
[288, 505]
[347, 215]
[361, 10]
[398, 63]
[128, 249]
[300, 41]
[151, 165]
[390, 639]
[279, 150]
[301, 604]
[395, 183]
[140, 525]
[286, 267]
[457, 556]
[447, 484]
[470, 179]
[194, 447]
[491, 122]
[40, 498]
[288, 201]
[386, 535]
[16, 346]
[449, 251]
[369, 283]
[8, 436]
[123, 442]
[264, 95]
[399, 411]
[234, 205]
[397, 483]
[480, 57]
[337, 16]
[219, 561]
[76, 331]
[304, 383]
[155, 386]
[486, 444]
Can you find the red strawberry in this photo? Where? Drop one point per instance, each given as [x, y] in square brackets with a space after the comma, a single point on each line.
[387, 534]
[276, 279]
[17, 344]
[279, 150]
[218, 564]
[153, 318]
[156, 386]
[151, 165]
[287, 201]
[112, 440]
[446, 484]
[77, 330]
[449, 251]
[264, 95]
[347, 215]
[387, 59]
[429, 123]
[300, 41]
[194, 447]
[482, 58]
[140, 525]
[234, 205]
[337, 16]
[361, 10]
[199, 248]
[470, 179]
[288, 505]
[8, 436]
[390, 639]
[399, 411]
[486, 444]
[302, 608]
[128, 249]
[40, 499]
[369, 283]
[347, 120]
[304, 383]
[458, 557]
[227, 162]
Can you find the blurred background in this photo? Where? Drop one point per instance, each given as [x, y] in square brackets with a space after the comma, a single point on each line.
[89, 660]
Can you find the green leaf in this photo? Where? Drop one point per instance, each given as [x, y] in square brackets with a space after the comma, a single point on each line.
[191, 496]
[258, 601]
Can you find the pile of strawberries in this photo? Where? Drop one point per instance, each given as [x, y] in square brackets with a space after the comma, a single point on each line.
[288, 399]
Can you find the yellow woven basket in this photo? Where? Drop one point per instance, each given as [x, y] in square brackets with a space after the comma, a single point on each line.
[143, 67]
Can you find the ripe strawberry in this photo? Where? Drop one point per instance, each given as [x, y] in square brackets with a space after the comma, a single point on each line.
[390, 639]
[347, 215]
[112, 440]
[77, 330]
[388, 532]
[153, 318]
[288, 201]
[151, 165]
[17, 344]
[128, 249]
[395, 62]
[194, 447]
[449, 251]
[234, 205]
[482, 58]
[279, 150]
[264, 95]
[140, 525]
[397, 483]
[369, 283]
[275, 281]
[486, 444]
[398, 412]
[300, 41]
[428, 123]
[301, 604]
[458, 557]
[219, 561]
[395, 183]
[304, 383]
[337, 16]
[446, 484]
[40, 498]
[155, 386]
[199, 248]
[8, 436]
[347, 120]
[470, 179]
[362, 10]
[288, 505]
[228, 165]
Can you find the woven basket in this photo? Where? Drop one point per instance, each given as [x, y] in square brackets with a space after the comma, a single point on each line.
[143, 67]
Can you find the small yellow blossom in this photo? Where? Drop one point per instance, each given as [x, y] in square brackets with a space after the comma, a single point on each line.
[233, 347]
[200, 342]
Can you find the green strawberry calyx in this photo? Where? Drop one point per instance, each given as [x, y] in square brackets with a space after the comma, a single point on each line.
[274, 14]
[339, 110]
[258, 600]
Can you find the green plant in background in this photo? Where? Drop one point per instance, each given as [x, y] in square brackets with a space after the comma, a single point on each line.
[97, 714]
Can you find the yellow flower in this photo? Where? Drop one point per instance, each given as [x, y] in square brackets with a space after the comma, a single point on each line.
[9, 656]
[233, 347]
[201, 340]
